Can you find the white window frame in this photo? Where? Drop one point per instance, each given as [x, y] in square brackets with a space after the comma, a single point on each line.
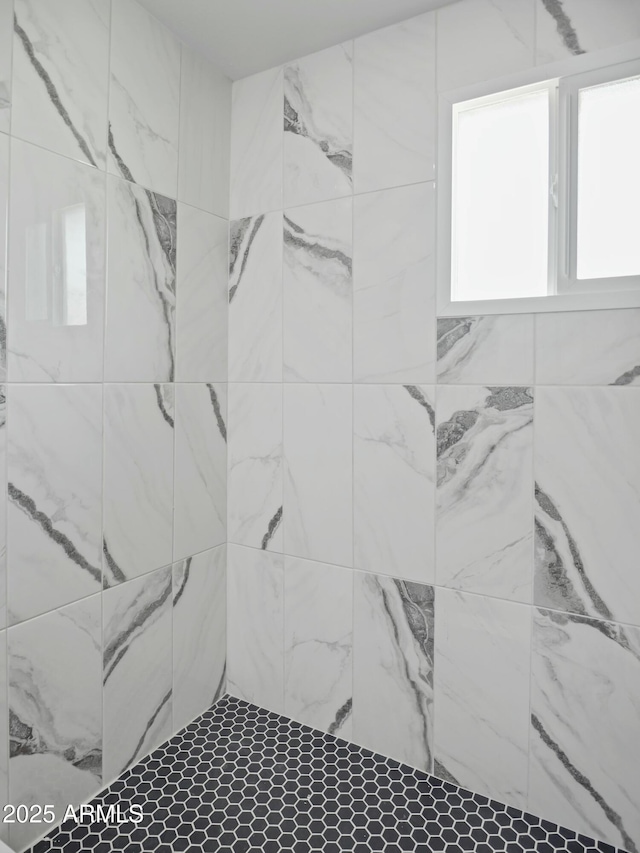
[563, 79]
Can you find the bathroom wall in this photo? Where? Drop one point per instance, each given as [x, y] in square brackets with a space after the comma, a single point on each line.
[114, 165]
[433, 524]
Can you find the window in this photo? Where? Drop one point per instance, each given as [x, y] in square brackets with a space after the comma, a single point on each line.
[539, 191]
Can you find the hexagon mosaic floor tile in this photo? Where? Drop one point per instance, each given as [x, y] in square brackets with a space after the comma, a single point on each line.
[240, 779]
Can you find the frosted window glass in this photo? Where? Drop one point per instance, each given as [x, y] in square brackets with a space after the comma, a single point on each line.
[609, 180]
[500, 213]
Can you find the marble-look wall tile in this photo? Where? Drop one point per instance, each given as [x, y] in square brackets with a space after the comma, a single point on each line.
[144, 99]
[6, 40]
[495, 349]
[588, 348]
[585, 718]
[572, 27]
[57, 275]
[318, 292]
[318, 641]
[4, 202]
[481, 689]
[3, 506]
[60, 76]
[393, 668]
[138, 480]
[205, 134]
[255, 626]
[587, 471]
[318, 472]
[255, 489]
[141, 285]
[55, 702]
[4, 735]
[484, 514]
[256, 144]
[200, 496]
[201, 297]
[394, 480]
[137, 669]
[55, 496]
[199, 634]
[318, 126]
[394, 328]
[481, 39]
[255, 299]
[395, 105]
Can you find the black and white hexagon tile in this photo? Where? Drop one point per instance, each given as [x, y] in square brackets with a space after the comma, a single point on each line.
[243, 779]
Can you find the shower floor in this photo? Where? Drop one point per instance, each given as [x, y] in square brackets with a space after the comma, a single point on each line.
[240, 778]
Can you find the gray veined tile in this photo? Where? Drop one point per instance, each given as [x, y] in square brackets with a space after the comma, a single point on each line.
[255, 633]
[60, 76]
[255, 299]
[144, 99]
[318, 642]
[585, 718]
[4, 735]
[55, 496]
[482, 652]
[495, 349]
[394, 480]
[484, 526]
[395, 105]
[256, 144]
[3, 506]
[318, 126]
[254, 468]
[394, 326]
[6, 39]
[141, 291]
[199, 634]
[393, 668]
[55, 701]
[572, 27]
[205, 134]
[57, 275]
[200, 492]
[138, 479]
[587, 471]
[4, 199]
[137, 669]
[318, 293]
[202, 303]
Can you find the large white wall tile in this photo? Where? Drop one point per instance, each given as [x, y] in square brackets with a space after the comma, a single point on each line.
[201, 297]
[55, 701]
[394, 480]
[6, 43]
[199, 634]
[255, 488]
[587, 471]
[4, 201]
[3, 506]
[4, 734]
[61, 75]
[55, 496]
[255, 619]
[394, 328]
[585, 717]
[144, 99]
[484, 515]
[393, 650]
[141, 285]
[138, 480]
[57, 275]
[256, 144]
[205, 134]
[318, 292]
[481, 39]
[318, 125]
[394, 121]
[200, 496]
[481, 689]
[318, 640]
[255, 299]
[318, 472]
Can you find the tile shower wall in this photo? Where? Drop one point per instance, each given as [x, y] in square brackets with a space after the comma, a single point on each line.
[432, 523]
[114, 174]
